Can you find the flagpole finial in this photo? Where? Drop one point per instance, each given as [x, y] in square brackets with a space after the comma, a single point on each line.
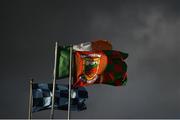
[32, 79]
[56, 43]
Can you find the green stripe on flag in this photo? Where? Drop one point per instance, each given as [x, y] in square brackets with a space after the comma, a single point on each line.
[63, 57]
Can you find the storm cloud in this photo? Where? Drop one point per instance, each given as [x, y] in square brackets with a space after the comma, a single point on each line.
[147, 30]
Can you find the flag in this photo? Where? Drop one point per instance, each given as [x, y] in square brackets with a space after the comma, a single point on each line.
[42, 97]
[106, 67]
[93, 46]
[63, 54]
[63, 57]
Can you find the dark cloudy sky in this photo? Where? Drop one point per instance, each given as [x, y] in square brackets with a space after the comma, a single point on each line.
[149, 30]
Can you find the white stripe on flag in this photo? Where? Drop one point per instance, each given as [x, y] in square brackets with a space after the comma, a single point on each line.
[83, 47]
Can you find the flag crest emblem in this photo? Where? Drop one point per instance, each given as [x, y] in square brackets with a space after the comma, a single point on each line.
[100, 67]
[90, 67]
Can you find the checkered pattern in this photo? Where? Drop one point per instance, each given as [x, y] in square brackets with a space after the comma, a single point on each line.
[42, 97]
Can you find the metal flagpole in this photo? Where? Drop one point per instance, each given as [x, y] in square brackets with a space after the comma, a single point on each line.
[69, 98]
[30, 99]
[54, 83]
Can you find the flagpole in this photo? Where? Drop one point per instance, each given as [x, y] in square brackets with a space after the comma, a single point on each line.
[30, 99]
[69, 98]
[54, 82]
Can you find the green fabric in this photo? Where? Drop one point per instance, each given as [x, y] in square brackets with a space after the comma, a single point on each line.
[117, 76]
[124, 55]
[110, 83]
[115, 72]
[109, 68]
[124, 82]
[63, 57]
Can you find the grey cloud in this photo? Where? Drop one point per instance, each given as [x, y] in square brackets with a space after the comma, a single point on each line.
[147, 30]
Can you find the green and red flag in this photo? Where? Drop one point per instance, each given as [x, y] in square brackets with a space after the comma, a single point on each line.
[63, 54]
[100, 67]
